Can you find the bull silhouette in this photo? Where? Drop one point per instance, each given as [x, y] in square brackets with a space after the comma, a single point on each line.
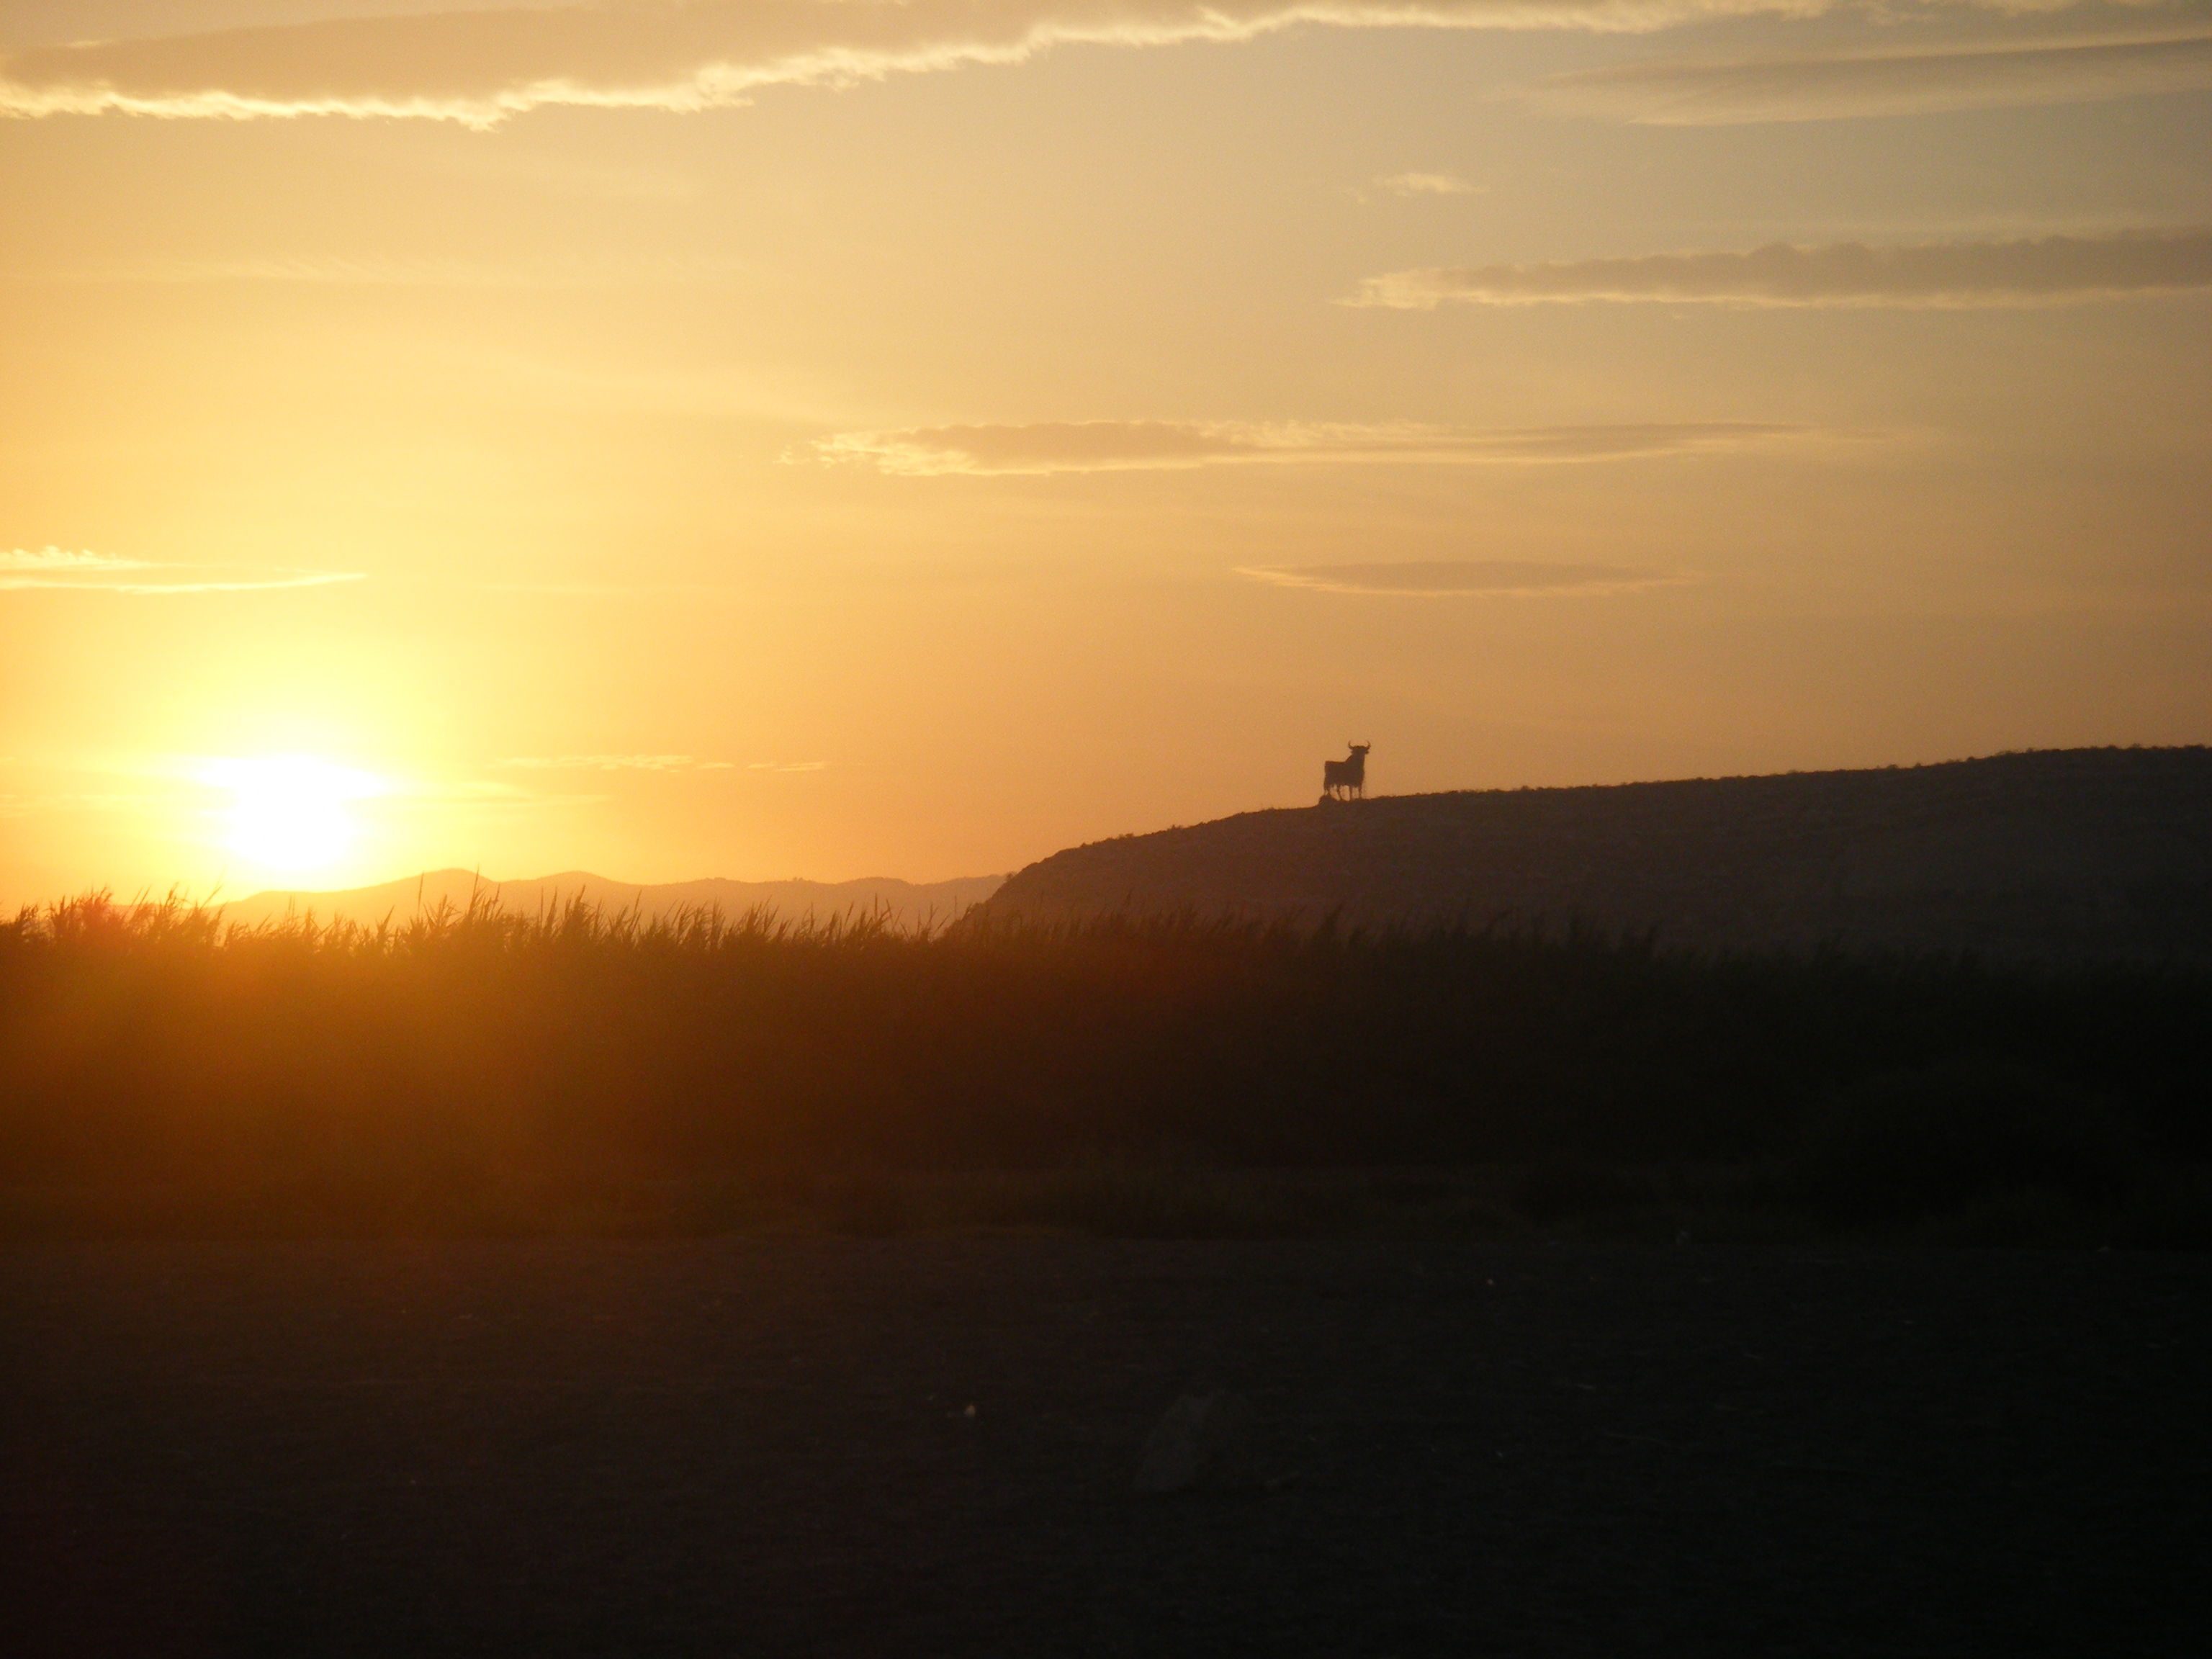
[1345, 779]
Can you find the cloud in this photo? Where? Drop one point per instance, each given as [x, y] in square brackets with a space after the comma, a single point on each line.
[1846, 85]
[339, 271]
[616, 763]
[482, 67]
[650, 763]
[23, 807]
[1469, 578]
[57, 568]
[243, 585]
[60, 561]
[1152, 446]
[1427, 184]
[2047, 270]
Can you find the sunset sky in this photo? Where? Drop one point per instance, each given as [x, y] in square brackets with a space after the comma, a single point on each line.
[843, 437]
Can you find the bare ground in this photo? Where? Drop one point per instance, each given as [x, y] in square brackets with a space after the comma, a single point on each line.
[764, 1447]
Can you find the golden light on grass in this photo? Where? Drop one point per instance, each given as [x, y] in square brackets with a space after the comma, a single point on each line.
[290, 813]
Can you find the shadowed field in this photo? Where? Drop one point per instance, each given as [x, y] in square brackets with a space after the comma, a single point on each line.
[480, 1071]
[767, 1447]
[844, 1271]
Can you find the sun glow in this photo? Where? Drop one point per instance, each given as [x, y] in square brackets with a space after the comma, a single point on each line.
[291, 812]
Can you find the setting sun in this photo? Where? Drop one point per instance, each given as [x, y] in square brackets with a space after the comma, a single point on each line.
[291, 813]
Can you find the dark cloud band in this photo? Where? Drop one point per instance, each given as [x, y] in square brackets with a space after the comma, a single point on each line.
[1847, 85]
[2050, 270]
[1469, 578]
[1153, 445]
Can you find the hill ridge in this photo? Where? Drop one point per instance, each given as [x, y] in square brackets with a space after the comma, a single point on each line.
[2052, 852]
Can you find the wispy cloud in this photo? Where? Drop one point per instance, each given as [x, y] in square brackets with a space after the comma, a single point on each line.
[650, 763]
[274, 579]
[616, 763]
[24, 806]
[1843, 85]
[482, 67]
[1432, 579]
[334, 270]
[1426, 184]
[2045, 271]
[1153, 445]
[58, 567]
[60, 561]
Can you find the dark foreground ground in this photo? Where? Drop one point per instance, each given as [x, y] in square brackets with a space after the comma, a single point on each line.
[765, 1447]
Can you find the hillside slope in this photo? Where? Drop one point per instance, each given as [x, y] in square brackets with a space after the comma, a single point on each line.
[906, 903]
[2069, 853]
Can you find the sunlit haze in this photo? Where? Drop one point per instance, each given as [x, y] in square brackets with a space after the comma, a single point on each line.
[289, 814]
[842, 439]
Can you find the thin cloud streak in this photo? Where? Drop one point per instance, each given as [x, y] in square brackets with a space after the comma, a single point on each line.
[616, 763]
[1440, 579]
[61, 562]
[482, 67]
[254, 584]
[1156, 446]
[1427, 184]
[2045, 270]
[335, 272]
[1847, 86]
[55, 568]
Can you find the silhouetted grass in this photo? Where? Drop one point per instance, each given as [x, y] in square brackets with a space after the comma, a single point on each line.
[476, 1070]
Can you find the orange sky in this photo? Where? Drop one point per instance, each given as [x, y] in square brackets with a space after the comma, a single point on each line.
[841, 437]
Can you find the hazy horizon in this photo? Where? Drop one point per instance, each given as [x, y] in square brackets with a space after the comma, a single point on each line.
[861, 439]
[220, 896]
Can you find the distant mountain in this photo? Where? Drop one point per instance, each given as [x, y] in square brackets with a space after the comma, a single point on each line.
[2061, 853]
[907, 902]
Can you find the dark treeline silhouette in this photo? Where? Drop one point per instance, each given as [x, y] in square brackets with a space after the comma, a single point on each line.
[158, 1070]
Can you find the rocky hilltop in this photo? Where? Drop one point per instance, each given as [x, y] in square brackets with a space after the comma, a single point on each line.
[2062, 853]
